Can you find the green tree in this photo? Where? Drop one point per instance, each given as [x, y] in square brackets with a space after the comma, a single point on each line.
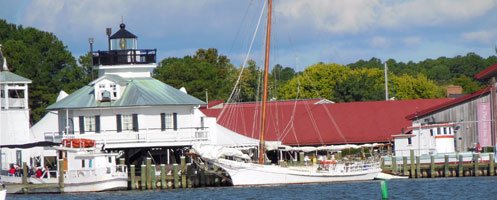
[418, 87]
[360, 85]
[44, 59]
[206, 71]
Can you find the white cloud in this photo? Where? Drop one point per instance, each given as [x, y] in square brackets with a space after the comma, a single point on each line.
[483, 36]
[379, 42]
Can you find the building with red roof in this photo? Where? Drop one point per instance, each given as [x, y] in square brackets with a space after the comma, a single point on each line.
[322, 122]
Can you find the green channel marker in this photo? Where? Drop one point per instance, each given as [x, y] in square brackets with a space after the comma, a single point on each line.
[384, 190]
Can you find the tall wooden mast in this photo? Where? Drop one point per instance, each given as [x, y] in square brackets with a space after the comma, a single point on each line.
[264, 94]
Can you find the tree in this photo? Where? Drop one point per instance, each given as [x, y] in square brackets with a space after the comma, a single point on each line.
[44, 59]
[418, 87]
[206, 71]
[360, 85]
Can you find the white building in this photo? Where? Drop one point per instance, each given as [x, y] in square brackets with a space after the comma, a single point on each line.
[126, 109]
[14, 117]
[426, 139]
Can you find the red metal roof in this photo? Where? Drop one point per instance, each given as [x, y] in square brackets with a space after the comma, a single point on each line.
[487, 73]
[448, 104]
[306, 123]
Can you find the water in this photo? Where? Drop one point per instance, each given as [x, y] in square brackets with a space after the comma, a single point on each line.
[440, 188]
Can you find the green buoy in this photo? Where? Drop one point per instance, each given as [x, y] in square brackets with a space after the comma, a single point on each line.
[384, 190]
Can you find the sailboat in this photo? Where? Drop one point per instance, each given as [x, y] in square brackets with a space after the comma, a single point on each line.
[245, 173]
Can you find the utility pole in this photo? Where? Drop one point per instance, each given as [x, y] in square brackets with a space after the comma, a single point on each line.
[386, 82]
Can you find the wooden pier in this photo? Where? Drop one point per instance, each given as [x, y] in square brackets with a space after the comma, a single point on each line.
[453, 165]
[184, 175]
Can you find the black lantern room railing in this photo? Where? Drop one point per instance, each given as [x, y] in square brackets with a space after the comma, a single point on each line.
[122, 57]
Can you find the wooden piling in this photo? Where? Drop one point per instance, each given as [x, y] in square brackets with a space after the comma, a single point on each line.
[446, 165]
[175, 176]
[143, 177]
[475, 167]
[61, 174]
[418, 168]
[153, 177]
[24, 174]
[404, 166]
[432, 166]
[491, 164]
[460, 167]
[189, 173]
[163, 176]
[149, 173]
[133, 176]
[412, 162]
[394, 165]
[183, 171]
[301, 158]
[121, 161]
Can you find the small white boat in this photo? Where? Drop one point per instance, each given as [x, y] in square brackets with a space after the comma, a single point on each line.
[3, 192]
[85, 169]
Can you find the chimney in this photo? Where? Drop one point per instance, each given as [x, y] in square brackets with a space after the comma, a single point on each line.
[454, 91]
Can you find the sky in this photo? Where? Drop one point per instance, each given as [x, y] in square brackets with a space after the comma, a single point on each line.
[304, 32]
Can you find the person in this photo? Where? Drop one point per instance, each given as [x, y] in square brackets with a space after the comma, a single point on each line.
[478, 148]
[38, 173]
[12, 170]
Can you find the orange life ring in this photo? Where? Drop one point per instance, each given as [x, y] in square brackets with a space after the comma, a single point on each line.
[78, 143]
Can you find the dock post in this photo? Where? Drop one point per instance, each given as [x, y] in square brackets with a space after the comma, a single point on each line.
[175, 176]
[149, 174]
[491, 164]
[418, 168]
[301, 158]
[475, 168]
[432, 166]
[183, 171]
[133, 176]
[24, 174]
[412, 163]
[61, 174]
[339, 155]
[121, 161]
[446, 165]
[394, 164]
[189, 175]
[460, 167]
[153, 177]
[404, 166]
[163, 176]
[143, 177]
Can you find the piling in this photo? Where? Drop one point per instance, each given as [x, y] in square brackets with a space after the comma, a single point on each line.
[133, 176]
[475, 167]
[183, 171]
[404, 166]
[175, 176]
[394, 165]
[460, 167]
[149, 173]
[491, 164]
[24, 173]
[121, 161]
[412, 162]
[418, 168]
[61, 174]
[153, 177]
[339, 155]
[432, 166]
[189, 173]
[301, 158]
[384, 190]
[163, 176]
[446, 165]
[143, 177]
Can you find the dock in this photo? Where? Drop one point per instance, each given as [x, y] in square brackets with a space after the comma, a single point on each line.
[445, 165]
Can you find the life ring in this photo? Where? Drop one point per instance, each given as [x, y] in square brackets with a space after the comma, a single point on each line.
[327, 162]
[78, 143]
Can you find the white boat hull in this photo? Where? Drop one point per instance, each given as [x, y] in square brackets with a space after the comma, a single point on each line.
[254, 174]
[3, 193]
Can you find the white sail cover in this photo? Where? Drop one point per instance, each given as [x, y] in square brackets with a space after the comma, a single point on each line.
[214, 152]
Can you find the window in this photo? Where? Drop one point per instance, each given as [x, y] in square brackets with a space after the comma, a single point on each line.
[409, 140]
[127, 122]
[101, 86]
[431, 132]
[438, 131]
[114, 90]
[90, 123]
[445, 130]
[83, 163]
[169, 121]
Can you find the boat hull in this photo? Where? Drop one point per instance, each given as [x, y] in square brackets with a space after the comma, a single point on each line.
[246, 174]
[3, 193]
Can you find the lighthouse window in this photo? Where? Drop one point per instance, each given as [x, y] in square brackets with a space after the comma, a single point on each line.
[409, 140]
[127, 122]
[90, 123]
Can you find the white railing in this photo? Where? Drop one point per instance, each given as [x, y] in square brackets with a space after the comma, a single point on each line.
[142, 136]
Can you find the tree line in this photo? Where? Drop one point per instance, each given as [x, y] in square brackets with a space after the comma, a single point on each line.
[44, 59]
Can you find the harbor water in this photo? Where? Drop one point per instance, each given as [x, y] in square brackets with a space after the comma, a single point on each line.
[439, 188]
